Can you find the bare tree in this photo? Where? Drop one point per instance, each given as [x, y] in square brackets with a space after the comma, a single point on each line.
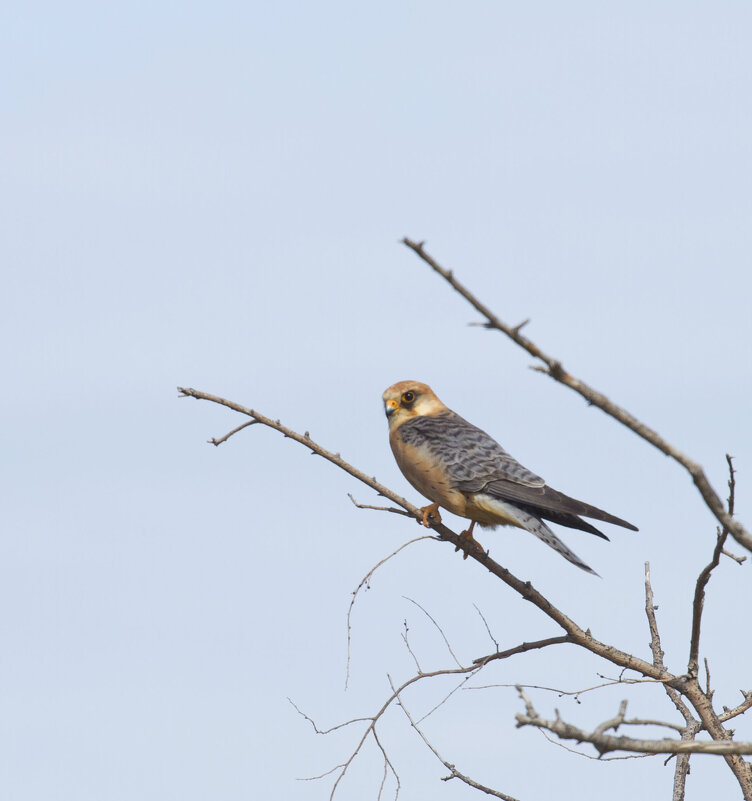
[691, 698]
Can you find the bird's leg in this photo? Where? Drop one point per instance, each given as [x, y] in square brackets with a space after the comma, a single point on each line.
[431, 511]
[468, 535]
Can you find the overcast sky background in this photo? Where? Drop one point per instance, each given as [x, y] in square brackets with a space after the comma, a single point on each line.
[214, 197]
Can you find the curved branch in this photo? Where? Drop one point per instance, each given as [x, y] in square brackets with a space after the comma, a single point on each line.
[554, 368]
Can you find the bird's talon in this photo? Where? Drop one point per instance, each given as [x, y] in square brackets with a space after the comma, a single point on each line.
[431, 512]
[467, 535]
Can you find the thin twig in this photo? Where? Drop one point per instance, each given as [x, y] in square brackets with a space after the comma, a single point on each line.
[438, 628]
[488, 628]
[446, 697]
[704, 578]
[453, 772]
[568, 693]
[409, 648]
[387, 764]
[324, 731]
[365, 580]
[740, 560]
[391, 509]
[215, 441]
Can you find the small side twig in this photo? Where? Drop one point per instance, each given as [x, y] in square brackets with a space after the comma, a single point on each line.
[391, 509]
[704, 578]
[523, 648]
[215, 441]
[438, 628]
[364, 581]
[740, 560]
[727, 713]
[488, 628]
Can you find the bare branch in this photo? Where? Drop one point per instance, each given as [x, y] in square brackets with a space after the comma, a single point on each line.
[409, 648]
[370, 729]
[711, 723]
[571, 693]
[488, 628]
[612, 723]
[707, 675]
[682, 762]
[522, 648]
[304, 439]
[395, 694]
[324, 731]
[438, 628]
[387, 766]
[692, 726]
[655, 647]
[740, 560]
[737, 710]
[555, 369]
[446, 697]
[215, 441]
[605, 743]
[453, 772]
[704, 578]
[391, 509]
[363, 582]
[650, 607]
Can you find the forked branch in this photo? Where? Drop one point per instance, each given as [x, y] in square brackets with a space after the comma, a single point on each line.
[605, 743]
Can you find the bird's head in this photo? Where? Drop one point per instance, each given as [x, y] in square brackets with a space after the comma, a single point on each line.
[407, 399]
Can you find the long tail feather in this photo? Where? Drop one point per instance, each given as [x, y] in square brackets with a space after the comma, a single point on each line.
[510, 514]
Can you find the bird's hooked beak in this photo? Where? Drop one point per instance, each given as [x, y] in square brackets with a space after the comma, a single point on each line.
[390, 407]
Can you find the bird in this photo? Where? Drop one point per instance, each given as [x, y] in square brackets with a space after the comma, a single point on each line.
[461, 468]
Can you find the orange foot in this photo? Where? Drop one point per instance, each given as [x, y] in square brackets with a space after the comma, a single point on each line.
[468, 535]
[431, 511]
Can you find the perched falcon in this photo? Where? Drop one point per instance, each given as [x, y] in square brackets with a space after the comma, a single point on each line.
[459, 467]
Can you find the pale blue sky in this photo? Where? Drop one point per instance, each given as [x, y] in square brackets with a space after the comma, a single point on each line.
[213, 197]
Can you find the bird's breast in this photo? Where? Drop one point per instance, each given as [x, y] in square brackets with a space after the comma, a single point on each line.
[426, 471]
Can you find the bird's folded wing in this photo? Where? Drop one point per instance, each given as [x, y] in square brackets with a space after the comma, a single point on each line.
[549, 502]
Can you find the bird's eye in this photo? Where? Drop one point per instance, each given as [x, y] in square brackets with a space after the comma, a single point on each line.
[408, 397]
